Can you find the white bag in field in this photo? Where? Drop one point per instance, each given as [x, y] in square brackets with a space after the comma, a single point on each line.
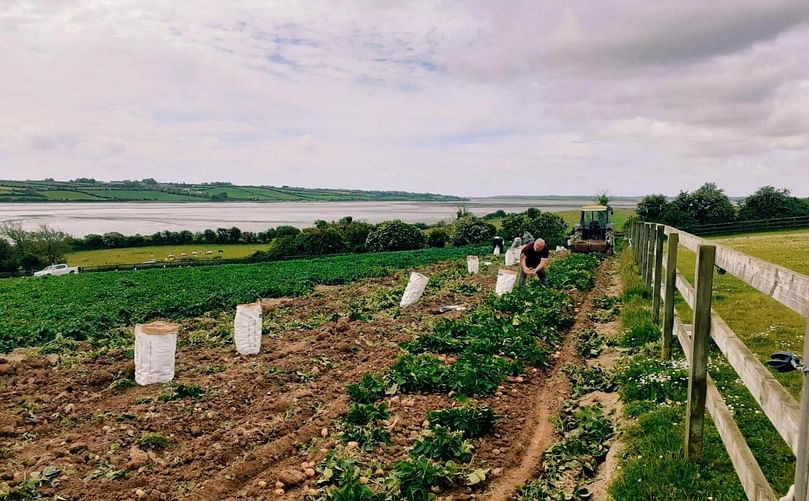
[513, 256]
[414, 290]
[155, 347]
[472, 264]
[247, 328]
[505, 281]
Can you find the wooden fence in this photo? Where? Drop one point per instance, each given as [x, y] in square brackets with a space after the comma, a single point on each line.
[780, 223]
[651, 243]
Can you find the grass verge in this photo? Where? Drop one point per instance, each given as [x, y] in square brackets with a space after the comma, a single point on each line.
[653, 465]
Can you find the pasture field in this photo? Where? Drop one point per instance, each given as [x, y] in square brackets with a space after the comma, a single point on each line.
[350, 398]
[160, 253]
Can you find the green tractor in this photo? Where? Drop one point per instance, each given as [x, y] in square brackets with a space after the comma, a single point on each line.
[594, 233]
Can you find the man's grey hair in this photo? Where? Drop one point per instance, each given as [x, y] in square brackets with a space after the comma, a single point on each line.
[542, 240]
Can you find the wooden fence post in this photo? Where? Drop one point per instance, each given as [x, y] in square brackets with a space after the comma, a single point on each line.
[638, 243]
[698, 367]
[802, 459]
[650, 248]
[660, 236]
[671, 288]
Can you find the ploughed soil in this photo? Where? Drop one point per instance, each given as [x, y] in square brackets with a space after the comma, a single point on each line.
[263, 421]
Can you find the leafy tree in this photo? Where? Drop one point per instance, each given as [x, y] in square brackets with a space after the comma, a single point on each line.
[354, 233]
[471, 230]
[651, 208]
[9, 259]
[438, 237]
[51, 244]
[209, 236]
[603, 198]
[768, 202]
[706, 205]
[286, 231]
[546, 225]
[316, 241]
[394, 235]
[234, 235]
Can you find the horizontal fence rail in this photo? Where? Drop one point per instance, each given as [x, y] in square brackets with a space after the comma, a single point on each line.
[789, 288]
[780, 223]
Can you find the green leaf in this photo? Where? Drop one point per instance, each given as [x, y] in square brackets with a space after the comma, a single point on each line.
[477, 476]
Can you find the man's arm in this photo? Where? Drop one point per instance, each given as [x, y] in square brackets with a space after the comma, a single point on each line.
[542, 264]
[525, 268]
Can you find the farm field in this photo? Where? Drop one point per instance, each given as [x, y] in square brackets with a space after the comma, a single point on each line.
[137, 255]
[89, 190]
[339, 404]
[94, 305]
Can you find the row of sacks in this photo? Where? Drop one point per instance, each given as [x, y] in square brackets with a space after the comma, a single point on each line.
[156, 342]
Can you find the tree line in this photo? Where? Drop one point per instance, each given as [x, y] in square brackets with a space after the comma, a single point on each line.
[710, 205]
[25, 250]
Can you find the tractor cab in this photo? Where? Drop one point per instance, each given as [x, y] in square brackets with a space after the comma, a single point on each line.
[594, 233]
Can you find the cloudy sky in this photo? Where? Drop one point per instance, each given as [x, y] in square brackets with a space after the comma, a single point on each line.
[463, 97]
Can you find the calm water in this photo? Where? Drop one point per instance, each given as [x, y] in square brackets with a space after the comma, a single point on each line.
[146, 218]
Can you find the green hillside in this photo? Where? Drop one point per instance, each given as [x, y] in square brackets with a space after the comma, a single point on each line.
[90, 190]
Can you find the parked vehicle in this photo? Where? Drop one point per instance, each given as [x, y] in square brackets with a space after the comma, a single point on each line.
[594, 233]
[57, 269]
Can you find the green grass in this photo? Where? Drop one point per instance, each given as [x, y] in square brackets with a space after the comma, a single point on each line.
[61, 191]
[137, 255]
[654, 393]
[69, 196]
[761, 322]
[96, 306]
[142, 195]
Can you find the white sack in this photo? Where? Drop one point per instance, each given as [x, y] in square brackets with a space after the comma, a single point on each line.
[247, 328]
[414, 290]
[155, 346]
[505, 281]
[472, 264]
[513, 256]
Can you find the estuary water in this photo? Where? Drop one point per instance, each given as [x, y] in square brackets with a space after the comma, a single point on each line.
[129, 218]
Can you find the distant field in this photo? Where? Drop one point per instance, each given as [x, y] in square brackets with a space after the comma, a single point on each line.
[764, 324]
[139, 255]
[72, 196]
[137, 191]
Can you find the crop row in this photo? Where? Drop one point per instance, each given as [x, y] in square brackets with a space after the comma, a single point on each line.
[492, 342]
[90, 306]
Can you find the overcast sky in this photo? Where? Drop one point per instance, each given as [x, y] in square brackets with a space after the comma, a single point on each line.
[460, 97]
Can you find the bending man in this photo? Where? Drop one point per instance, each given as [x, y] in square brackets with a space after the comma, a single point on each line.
[534, 259]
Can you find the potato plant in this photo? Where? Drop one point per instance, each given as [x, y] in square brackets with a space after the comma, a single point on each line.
[93, 306]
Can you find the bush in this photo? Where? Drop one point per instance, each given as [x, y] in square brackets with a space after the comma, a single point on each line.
[546, 225]
[394, 235]
[471, 230]
[316, 241]
[438, 237]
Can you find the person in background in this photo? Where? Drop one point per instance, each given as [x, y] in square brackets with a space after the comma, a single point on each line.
[533, 261]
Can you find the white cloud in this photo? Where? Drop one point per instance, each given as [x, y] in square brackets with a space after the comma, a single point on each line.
[447, 96]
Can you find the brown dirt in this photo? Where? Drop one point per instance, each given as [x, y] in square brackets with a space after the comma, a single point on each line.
[262, 417]
[613, 408]
[545, 402]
